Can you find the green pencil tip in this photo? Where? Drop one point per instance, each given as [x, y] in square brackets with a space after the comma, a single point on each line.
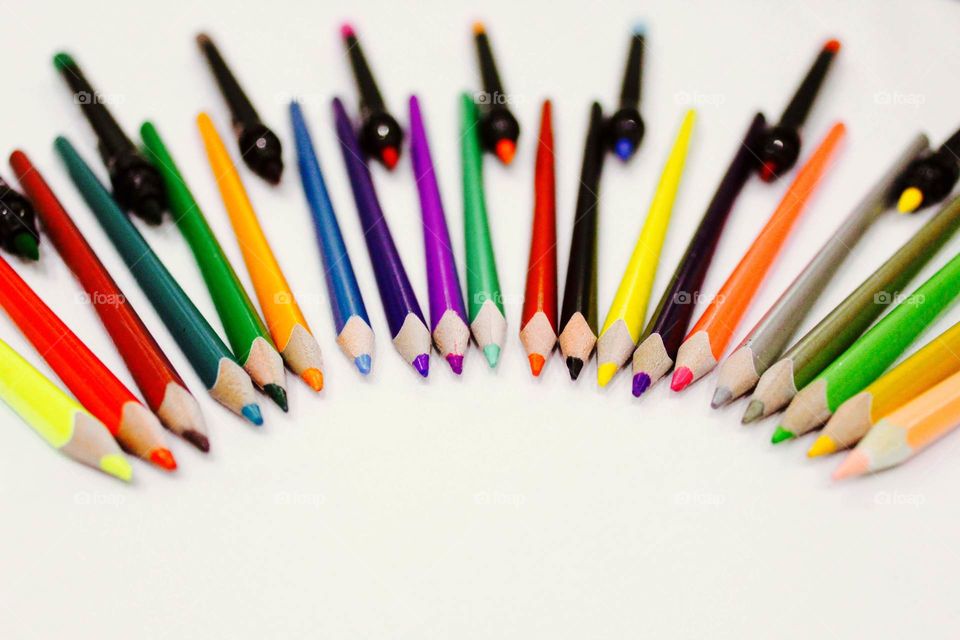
[278, 394]
[782, 434]
[492, 353]
[62, 60]
[26, 246]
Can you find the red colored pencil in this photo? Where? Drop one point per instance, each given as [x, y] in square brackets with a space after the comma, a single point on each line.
[538, 326]
[135, 428]
[161, 385]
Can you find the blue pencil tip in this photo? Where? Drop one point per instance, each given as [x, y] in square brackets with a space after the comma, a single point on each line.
[623, 148]
[252, 413]
[364, 363]
[641, 382]
[639, 29]
[422, 364]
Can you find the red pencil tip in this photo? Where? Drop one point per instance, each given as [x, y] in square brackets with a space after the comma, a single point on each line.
[768, 171]
[346, 30]
[505, 150]
[536, 363]
[832, 46]
[163, 459]
[682, 378]
[390, 157]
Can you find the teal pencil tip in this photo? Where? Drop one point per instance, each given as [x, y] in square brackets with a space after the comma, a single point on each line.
[252, 413]
[782, 434]
[278, 394]
[364, 363]
[492, 353]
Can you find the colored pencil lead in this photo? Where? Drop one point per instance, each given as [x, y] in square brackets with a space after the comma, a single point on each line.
[780, 147]
[625, 127]
[380, 135]
[137, 185]
[260, 148]
[782, 435]
[19, 235]
[931, 177]
[499, 129]
[252, 413]
[822, 446]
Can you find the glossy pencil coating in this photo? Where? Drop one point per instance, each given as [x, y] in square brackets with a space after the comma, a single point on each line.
[158, 381]
[935, 362]
[578, 314]
[208, 356]
[538, 325]
[286, 322]
[667, 327]
[58, 418]
[404, 317]
[350, 319]
[621, 329]
[710, 335]
[135, 428]
[905, 432]
[484, 298]
[767, 340]
[839, 329]
[448, 317]
[870, 356]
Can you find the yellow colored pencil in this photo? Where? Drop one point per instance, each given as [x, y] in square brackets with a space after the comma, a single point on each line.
[281, 312]
[57, 417]
[927, 367]
[621, 330]
[902, 434]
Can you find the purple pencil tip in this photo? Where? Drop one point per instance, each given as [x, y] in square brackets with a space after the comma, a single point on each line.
[456, 362]
[641, 382]
[422, 364]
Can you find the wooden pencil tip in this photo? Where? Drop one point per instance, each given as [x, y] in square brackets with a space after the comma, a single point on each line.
[478, 28]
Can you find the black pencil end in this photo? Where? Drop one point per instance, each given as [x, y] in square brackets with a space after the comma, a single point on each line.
[574, 366]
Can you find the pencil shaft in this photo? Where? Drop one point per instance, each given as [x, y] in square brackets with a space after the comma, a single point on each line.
[111, 137]
[799, 107]
[370, 98]
[541, 287]
[241, 108]
[631, 87]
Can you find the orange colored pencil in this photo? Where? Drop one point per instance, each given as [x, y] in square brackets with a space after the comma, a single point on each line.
[709, 337]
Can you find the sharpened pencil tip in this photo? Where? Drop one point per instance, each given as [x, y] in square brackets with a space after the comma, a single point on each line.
[855, 464]
[641, 382]
[364, 363]
[721, 397]
[682, 378]
[456, 362]
[492, 353]
[164, 459]
[505, 150]
[536, 363]
[574, 366]
[252, 413]
[422, 364]
[910, 200]
[197, 439]
[278, 394]
[605, 373]
[117, 466]
[623, 148]
[832, 46]
[314, 378]
[753, 413]
[478, 28]
[822, 446]
[390, 156]
[781, 435]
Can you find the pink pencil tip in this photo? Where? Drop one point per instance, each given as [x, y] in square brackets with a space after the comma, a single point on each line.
[346, 30]
[456, 362]
[682, 378]
[855, 464]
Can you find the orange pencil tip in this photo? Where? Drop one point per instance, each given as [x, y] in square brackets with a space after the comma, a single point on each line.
[536, 363]
[832, 46]
[390, 157]
[164, 459]
[505, 150]
[478, 28]
[314, 378]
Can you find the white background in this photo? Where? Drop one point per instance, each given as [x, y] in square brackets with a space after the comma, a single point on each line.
[496, 505]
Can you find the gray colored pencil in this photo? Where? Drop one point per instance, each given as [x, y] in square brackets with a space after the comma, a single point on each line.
[767, 340]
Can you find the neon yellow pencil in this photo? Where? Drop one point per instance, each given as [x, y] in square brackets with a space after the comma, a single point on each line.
[58, 418]
[621, 330]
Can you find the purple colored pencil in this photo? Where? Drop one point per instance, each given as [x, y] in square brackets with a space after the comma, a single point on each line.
[448, 315]
[407, 327]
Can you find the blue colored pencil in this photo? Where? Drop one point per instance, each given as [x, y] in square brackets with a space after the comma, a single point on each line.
[407, 326]
[354, 334]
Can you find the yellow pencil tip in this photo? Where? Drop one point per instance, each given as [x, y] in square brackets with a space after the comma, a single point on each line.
[605, 373]
[117, 465]
[910, 200]
[823, 446]
[314, 378]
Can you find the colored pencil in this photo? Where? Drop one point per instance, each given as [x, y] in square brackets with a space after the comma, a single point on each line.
[578, 313]
[158, 381]
[19, 235]
[407, 326]
[663, 334]
[137, 185]
[870, 356]
[484, 299]
[810, 355]
[538, 326]
[931, 177]
[904, 433]
[135, 428]
[935, 362]
[625, 127]
[709, 337]
[447, 313]
[289, 328]
[621, 329]
[498, 128]
[780, 147]
[259, 147]
[58, 418]
[380, 135]
[765, 343]
[211, 360]
[354, 334]
[249, 339]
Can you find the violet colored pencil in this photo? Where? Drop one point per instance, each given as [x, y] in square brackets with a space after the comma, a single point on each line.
[407, 327]
[451, 333]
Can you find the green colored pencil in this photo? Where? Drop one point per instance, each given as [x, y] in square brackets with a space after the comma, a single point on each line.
[208, 356]
[484, 300]
[870, 356]
[248, 336]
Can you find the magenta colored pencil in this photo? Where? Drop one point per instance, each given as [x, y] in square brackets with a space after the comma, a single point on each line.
[447, 313]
